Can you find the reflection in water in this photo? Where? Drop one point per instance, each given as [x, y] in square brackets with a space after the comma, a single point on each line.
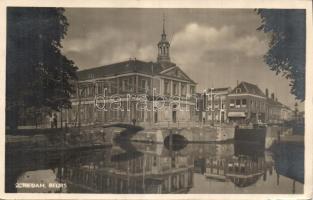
[155, 168]
[156, 171]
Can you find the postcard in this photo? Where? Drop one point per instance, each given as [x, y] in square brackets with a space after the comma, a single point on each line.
[156, 99]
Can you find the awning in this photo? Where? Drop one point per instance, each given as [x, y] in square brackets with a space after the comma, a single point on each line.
[236, 114]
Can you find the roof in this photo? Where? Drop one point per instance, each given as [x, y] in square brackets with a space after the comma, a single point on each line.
[129, 66]
[124, 67]
[274, 102]
[248, 88]
[219, 89]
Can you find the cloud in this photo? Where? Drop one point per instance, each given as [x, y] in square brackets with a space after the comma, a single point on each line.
[196, 40]
[106, 46]
[208, 53]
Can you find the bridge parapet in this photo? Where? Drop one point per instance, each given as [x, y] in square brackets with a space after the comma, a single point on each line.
[194, 134]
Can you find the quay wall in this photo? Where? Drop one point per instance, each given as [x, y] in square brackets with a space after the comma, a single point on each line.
[266, 136]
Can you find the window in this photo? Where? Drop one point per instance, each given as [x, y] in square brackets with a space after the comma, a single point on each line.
[232, 103]
[183, 89]
[237, 103]
[216, 105]
[209, 104]
[113, 87]
[192, 90]
[100, 88]
[125, 85]
[244, 103]
[131, 84]
[143, 84]
[175, 88]
[238, 90]
[167, 89]
[89, 91]
[91, 76]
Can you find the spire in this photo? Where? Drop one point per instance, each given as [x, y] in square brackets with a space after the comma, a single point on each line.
[164, 24]
[163, 46]
[163, 36]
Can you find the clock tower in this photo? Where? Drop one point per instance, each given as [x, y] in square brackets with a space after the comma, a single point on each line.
[163, 47]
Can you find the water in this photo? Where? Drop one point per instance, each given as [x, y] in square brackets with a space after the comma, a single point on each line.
[154, 168]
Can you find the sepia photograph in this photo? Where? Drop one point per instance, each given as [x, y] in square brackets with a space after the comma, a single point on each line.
[155, 100]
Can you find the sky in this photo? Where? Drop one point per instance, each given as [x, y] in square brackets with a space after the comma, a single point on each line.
[215, 47]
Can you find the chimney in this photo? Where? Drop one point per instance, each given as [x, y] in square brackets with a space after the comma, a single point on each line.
[273, 96]
[237, 83]
[266, 93]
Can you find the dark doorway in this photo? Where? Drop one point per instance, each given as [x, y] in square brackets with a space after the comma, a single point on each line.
[155, 116]
[174, 114]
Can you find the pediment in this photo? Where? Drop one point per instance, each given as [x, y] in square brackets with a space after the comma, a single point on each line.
[176, 72]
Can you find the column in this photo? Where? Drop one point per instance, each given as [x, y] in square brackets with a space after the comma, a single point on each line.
[161, 88]
[136, 84]
[171, 83]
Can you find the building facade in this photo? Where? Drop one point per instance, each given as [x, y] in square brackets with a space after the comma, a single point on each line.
[134, 91]
[217, 104]
[277, 112]
[246, 103]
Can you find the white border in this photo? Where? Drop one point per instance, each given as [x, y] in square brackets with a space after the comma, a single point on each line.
[292, 4]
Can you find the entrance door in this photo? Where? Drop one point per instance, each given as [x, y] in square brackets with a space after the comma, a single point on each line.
[156, 116]
[174, 114]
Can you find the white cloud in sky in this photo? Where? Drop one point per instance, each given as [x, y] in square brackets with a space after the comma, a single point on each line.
[188, 45]
[196, 40]
[206, 53]
[110, 45]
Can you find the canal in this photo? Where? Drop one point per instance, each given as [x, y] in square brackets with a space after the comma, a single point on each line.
[129, 167]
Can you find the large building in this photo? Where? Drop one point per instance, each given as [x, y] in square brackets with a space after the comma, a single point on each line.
[134, 91]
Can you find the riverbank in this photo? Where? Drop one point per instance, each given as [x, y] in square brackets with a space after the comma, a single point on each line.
[101, 136]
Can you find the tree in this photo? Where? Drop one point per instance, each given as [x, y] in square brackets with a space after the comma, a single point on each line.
[38, 76]
[286, 54]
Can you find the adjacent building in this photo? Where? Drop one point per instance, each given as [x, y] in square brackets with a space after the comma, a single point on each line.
[274, 109]
[217, 104]
[246, 103]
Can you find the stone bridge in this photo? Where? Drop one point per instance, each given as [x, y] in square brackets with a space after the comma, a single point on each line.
[160, 135]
